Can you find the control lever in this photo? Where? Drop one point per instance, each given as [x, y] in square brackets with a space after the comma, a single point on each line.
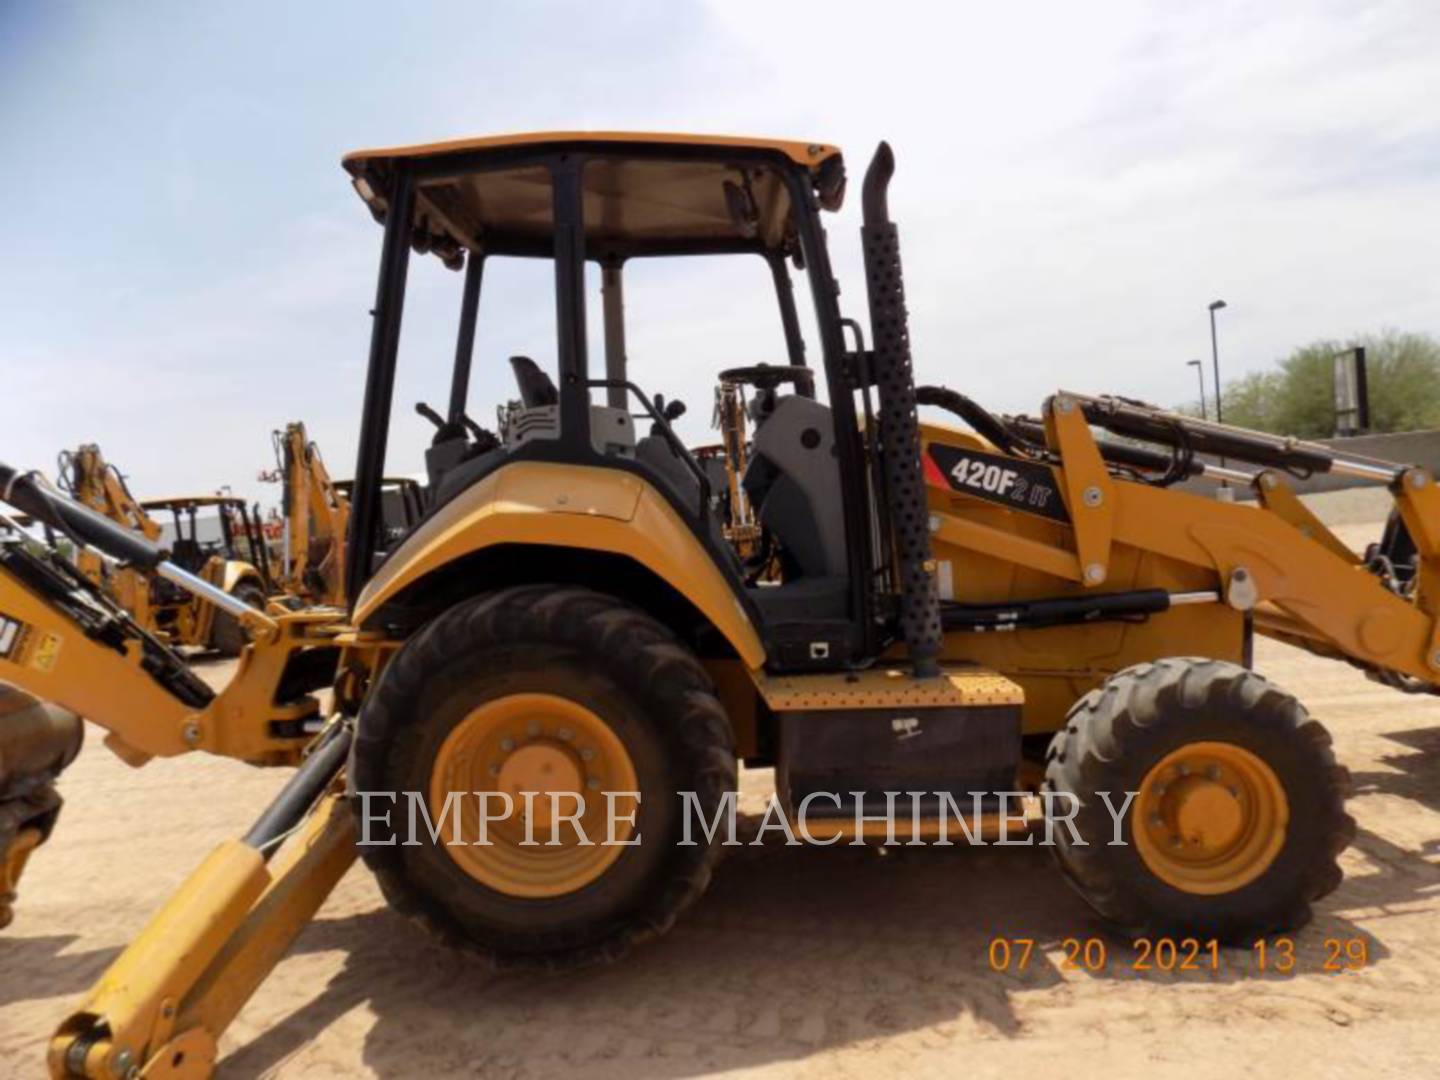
[445, 430]
[671, 411]
[430, 414]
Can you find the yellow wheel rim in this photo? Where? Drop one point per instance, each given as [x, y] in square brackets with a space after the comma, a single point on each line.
[1209, 818]
[544, 744]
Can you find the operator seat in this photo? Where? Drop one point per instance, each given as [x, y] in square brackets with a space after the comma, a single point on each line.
[793, 481]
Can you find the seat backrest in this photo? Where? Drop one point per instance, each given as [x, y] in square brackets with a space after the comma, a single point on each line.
[793, 481]
[654, 452]
[187, 554]
[536, 387]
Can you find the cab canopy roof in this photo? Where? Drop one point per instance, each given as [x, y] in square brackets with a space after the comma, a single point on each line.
[642, 194]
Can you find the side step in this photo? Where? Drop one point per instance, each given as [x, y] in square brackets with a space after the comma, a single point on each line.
[844, 740]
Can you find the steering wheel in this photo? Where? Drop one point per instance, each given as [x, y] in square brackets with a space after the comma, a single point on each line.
[768, 376]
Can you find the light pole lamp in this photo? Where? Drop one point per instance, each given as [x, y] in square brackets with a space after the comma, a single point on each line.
[1200, 378]
[1216, 305]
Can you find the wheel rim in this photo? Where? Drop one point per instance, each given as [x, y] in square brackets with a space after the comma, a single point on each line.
[1210, 818]
[540, 743]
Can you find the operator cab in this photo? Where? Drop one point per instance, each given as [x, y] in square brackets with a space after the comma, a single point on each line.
[802, 565]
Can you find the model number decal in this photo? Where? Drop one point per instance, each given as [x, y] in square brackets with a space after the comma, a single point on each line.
[1028, 486]
[977, 474]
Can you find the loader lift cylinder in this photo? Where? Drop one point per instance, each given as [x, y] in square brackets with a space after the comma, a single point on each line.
[899, 422]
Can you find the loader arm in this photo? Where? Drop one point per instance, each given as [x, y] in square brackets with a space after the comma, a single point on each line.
[1081, 519]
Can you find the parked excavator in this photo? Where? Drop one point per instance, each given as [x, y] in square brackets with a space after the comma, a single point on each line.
[961, 610]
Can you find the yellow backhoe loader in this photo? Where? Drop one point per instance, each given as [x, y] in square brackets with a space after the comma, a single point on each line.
[315, 516]
[315, 513]
[959, 612]
[234, 559]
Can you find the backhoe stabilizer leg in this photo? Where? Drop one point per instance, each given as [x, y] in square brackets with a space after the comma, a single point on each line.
[162, 1006]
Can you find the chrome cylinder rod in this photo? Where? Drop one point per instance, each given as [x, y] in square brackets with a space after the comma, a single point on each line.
[198, 586]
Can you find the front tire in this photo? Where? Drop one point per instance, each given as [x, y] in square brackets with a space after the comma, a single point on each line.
[1239, 813]
[554, 687]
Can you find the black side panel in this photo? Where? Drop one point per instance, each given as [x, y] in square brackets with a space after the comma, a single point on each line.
[879, 750]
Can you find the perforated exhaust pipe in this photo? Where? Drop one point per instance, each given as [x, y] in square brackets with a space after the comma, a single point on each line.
[899, 421]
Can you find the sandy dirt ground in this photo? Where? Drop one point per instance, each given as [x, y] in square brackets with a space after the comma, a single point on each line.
[805, 963]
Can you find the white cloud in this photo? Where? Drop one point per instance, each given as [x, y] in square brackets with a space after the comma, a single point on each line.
[1076, 182]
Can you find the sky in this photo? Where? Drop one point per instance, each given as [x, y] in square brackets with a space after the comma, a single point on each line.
[186, 267]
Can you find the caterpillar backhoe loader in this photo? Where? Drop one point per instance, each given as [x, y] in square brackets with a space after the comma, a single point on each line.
[1007, 605]
[315, 515]
[236, 560]
[315, 511]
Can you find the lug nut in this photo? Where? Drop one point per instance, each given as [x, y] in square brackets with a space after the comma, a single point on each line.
[507, 744]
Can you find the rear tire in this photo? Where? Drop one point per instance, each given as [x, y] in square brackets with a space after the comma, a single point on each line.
[227, 636]
[644, 692]
[1257, 841]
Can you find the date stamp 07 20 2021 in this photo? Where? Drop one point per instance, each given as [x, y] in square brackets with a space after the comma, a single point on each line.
[1266, 955]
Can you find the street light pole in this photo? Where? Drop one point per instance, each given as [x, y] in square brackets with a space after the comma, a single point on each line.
[1224, 493]
[1200, 378]
[1216, 305]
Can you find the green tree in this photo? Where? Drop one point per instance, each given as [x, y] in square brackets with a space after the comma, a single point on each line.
[1298, 397]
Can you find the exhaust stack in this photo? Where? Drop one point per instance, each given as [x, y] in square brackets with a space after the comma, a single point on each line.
[899, 422]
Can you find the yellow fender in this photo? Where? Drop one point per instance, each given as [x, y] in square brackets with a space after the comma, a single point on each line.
[595, 509]
[237, 571]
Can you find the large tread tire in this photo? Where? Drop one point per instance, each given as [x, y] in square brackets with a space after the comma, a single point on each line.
[227, 636]
[1117, 732]
[548, 638]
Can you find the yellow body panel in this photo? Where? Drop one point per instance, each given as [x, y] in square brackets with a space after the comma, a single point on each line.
[54, 660]
[1311, 589]
[594, 509]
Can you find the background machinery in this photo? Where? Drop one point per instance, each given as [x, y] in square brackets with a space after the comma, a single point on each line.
[956, 612]
[315, 515]
[233, 556]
